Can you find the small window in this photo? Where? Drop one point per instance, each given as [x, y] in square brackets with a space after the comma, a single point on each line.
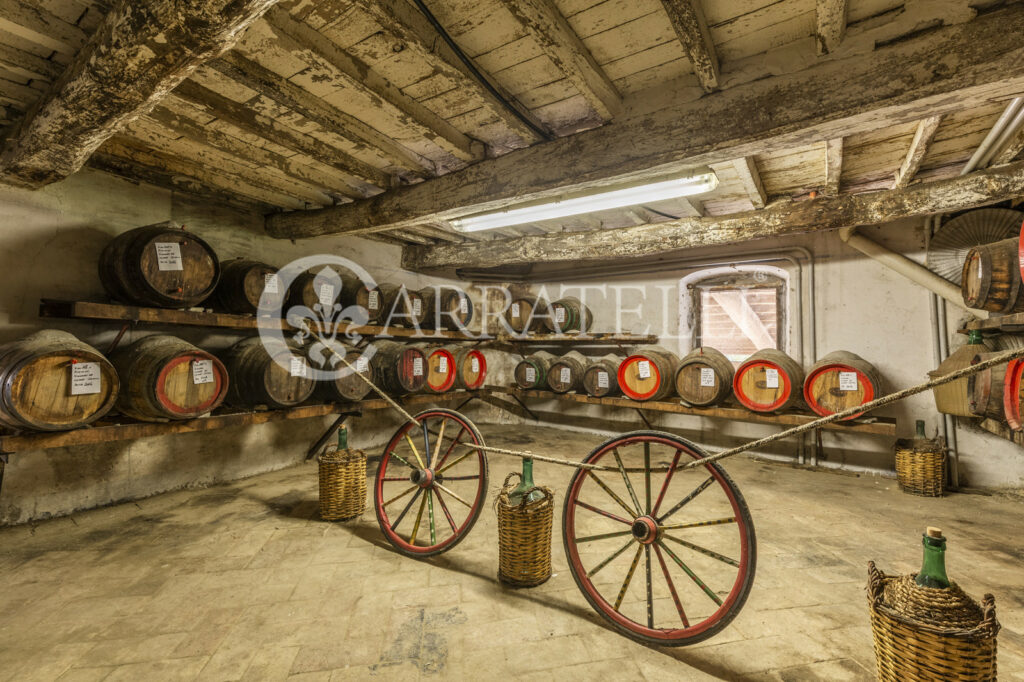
[739, 314]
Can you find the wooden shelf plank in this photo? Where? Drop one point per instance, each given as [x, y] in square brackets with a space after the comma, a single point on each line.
[1005, 323]
[878, 426]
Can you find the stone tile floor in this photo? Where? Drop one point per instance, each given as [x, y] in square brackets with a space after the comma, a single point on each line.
[243, 581]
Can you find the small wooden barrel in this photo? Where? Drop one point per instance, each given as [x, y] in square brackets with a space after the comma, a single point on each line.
[648, 374]
[159, 265]
[164, 377]
[470, 367]
[401, 369]
[311, 289]
[569, 315]
[1013, 382]
[601, 377]
[347, 387]
[532, 371]
[278, 378]
[704, 377]
[768, 381]
[403, 307]
[985, 390]
[839, 381]
[446, 308]
[245, 284]
[991, 277]
[525, 314]
[51, 381]
[566, 372]
[442, 369]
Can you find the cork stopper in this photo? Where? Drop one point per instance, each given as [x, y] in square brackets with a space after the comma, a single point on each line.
[934, 532]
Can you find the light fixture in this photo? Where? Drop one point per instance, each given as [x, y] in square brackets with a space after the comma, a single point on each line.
[661, 190]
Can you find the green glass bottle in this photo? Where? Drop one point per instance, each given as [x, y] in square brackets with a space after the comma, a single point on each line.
[920, 430]
[525, 483]
[933, 567]
[342, 439]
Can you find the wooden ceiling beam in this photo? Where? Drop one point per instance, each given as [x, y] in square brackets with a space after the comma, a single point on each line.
[140, 52]
[833, 166]
[980, 188]
[830, 24]
[746, 168]
[981, 60]
[1012, 149]
[926, 129]
[691, 28]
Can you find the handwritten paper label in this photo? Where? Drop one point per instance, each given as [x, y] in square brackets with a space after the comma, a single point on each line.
[202, 372]
[707, 377]
[270, 284]
[298, 367]
[417, 367]
[85, 378]
[464, 305]
[514, 311]
[168, 256]
[847, 381]
[442, 365]
[362, 364]
[326, 294]
[531, 375]
[771, 377]
[417, 306]
[602, 379]
[643, 368]
[559, 315]
[474, 365]
[565, 375]
[374, 302]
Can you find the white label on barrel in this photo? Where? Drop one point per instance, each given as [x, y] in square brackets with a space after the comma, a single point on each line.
[417, 306]
[85, 378]
[326, 294]
[202, 372]
[298, 367]
[270, 284]
[565, 375]
[464, 305]
[847, 381]
[514, 310]
[374, 301]
[531, 375]
[771, 377]
[559, 315]
[168, 256]
[474, 365]
[707, 377]
[442, 365]
[979, 272]
[362, 364]
[643, 368]
[417, 367]
[602, 379]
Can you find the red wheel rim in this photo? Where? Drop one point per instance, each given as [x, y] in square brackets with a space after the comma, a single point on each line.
[737, 379]
[448, 510]
[862, 380]
[625, 364]
[712, 475]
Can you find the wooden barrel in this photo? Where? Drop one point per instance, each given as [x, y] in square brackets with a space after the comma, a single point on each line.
[470, 367]
[278, 378]
[991, 277]
[315, 288]
[347, 387]
[704, 377]
[245, 284]
[568, 315]
[159, 265]
[768, 381]
[355, 292]
[985, 390]
[164, 377]
[839, 381]
[401, 369]
[532, 371]
[566, 372]
[441, 369]
[601, 377]
[1013, 382]
[526, 314]
[51, 381]
[648, 374]
[403, 307]
[446, 308]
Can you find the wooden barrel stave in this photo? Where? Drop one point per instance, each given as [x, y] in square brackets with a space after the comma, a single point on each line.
[446, 308]
[403, 307]
[245, 285]
[985, 390]
[648, 374]
[441, 368]
[992, 277]
[400, 368]
[768, 381]
[566, 372]
[532, 371]
[600, 378]
[265, 377]
[527, 314]
[704, 377]
[347, 387]
[568, 315]
[470, 367]
[830, 388]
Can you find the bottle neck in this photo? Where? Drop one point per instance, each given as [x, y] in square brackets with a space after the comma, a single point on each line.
[974, 336]
[920, 428]
[933, 566]
[343, 438]
[527, 473]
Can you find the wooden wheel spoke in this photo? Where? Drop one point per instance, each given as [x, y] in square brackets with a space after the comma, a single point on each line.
[650, 587]
[401, 494]
[419, 518]
[611, 494]
[672, 587]
[400, 459]
[603, 513]
[629, 576]
[462, 478]
[450, 448]
[693, 576]
[604, 536]
[668, 479]
[430, 513]
[647, 490]
[451, 464]
[607, 561]
[449, 491]
[437, 448]
[699, 524]
[416, 452]
[394, 526]
[625, 479]
[686, 500]
[394, 478]
[447, 514]
[703, 550]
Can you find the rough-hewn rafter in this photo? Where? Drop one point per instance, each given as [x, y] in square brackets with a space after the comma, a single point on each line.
[833, 166]
[830, 24]
[687, 18]
[826, 213]
[918, 148]
[940, 71]
[746, 168]
[141, 51]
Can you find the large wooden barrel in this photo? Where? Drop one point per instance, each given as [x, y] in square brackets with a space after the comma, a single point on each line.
[51, 381]
[245, 285]
[526, 314]
[601, 377]
[446, 308]
[347, 387]
[648, 374]
[991, 277]
[442, 369]
[985, 389]
[953, 397]
[159, 265]
[1013, 383]
[768, 381]
[532, 371]
[839, 381]
[164, 377]
[401, 369]
[314, 288]
[568, 315]
[704, 377]
[566, 372]
[278, 378]
[403, 307]
[470, 367]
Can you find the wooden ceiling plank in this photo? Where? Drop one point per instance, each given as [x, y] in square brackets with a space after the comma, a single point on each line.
[40, 26]
[687, 18]
[830, 21]
[28, 64]
[746, 169]
[831, 98]
[918, 148]
[833, 166]
[140, 52]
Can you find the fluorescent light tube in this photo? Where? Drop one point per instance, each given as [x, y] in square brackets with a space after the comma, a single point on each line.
[591, 203]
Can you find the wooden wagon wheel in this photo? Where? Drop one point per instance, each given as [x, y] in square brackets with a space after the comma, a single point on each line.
[429, 491]
[691, 529]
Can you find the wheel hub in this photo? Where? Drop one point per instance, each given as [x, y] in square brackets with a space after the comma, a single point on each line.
[645, 530]
[424, 478]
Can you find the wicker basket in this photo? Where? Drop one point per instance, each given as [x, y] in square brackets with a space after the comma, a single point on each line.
[926, 635]
[342, 484]
[524, 537]
[921, 466]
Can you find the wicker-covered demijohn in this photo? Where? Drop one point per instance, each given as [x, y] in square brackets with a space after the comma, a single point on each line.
[524, 537]
[921, 466]
[342, 484]
[923, 633]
